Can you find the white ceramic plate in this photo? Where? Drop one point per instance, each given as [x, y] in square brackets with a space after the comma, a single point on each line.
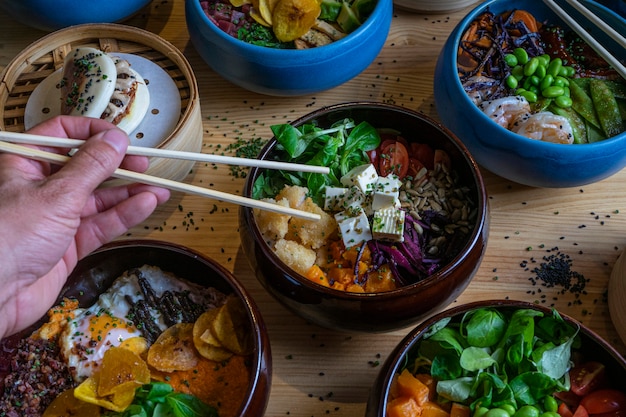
[159, 122]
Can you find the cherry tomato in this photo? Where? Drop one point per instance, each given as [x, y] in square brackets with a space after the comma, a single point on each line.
[386, 138]
[424, 153]
[415, 166]
[569, 398]
[393, 159]
[604, 401]
[564, 410]
[587, 377]
[581, 412]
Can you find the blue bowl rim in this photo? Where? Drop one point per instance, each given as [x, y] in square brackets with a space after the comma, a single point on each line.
[333, 48]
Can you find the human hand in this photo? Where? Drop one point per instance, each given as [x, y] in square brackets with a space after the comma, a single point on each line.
[52, 217]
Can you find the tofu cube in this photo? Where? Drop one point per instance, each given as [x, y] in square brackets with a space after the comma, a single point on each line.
[363, 176]
[354, 229]
[334, 197]
[386, 193]
[388, 224]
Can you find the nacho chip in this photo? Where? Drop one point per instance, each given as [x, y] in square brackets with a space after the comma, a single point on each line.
[204, 339]
[122, 370]
[67, 404]
[87, 391]
[174, 349]
[232, 327]
[293, 18]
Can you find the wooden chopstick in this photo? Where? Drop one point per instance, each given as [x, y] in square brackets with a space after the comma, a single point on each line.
[593, 43]
[31, 139]
[123, 174]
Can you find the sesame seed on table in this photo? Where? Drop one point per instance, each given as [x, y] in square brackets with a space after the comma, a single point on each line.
[555, 247]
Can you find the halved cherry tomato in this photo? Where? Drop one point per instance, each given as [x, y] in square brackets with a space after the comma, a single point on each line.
[564, 410]
[581, 412]
[569, 398]
[587, 377]
[386, 138]
[393, 159]
[415, 166]
[604, 401]
[424, 153]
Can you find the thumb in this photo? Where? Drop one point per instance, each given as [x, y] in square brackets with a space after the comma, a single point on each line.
[96, 160]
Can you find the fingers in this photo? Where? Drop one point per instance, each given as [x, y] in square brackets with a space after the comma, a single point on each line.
[103, 227]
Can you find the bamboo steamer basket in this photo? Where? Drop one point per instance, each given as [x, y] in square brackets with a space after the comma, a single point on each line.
[43, 57]
[617, 295]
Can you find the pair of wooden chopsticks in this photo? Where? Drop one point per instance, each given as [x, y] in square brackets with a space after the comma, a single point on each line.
[39, 155]
[586, 36]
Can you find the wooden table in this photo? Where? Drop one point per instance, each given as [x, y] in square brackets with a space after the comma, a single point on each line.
[320, 372]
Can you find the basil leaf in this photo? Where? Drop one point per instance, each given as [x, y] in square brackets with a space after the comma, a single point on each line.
[185, 405]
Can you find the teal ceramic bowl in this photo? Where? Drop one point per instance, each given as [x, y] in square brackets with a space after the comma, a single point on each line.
[49, 15]
[514, 157]
[288, 72]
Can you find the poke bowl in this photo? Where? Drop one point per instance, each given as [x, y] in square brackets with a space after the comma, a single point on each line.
[375, 261]
[262, 64]
[551, 128]
[537, 362]
[142, 322]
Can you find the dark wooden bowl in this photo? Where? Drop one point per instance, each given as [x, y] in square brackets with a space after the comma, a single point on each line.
[385, 311]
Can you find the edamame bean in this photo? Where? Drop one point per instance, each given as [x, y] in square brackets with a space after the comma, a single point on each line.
[531, 66]
[558, 81]
[570, 71]
[546, 82]
[535, 80]
[530, 96]
[553, 91]
[555, 66]
[511, 60]
[549, 414]
[511, 82]
[497, 412]
[541, 71]
[544, 60]
[562, 80]
[521, 55]
[527, 411]
[550, 403]
[518, 72]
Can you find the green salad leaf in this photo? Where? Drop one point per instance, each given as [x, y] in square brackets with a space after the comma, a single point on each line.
[158, 399]
[494, 357]
[340, 147]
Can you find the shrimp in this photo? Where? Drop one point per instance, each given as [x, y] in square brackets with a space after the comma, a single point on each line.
[507, 110]
[547, 127]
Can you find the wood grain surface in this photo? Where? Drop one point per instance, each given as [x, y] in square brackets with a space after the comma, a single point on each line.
[318, 372]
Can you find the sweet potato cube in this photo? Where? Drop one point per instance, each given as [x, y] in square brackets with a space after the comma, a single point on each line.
[430, 382]
[403, 407]
[459, 410]
[431, 409]
[410, 386]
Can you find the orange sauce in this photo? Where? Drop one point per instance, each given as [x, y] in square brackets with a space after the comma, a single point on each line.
[222, 385]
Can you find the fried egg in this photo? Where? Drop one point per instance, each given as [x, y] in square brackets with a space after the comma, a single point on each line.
[109, 322]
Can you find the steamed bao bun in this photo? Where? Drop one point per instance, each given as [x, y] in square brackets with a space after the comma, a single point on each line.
[98, 85]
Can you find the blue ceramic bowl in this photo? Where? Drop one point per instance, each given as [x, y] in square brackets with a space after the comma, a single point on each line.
[49, 15]
[507, 154]
[282, 72]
